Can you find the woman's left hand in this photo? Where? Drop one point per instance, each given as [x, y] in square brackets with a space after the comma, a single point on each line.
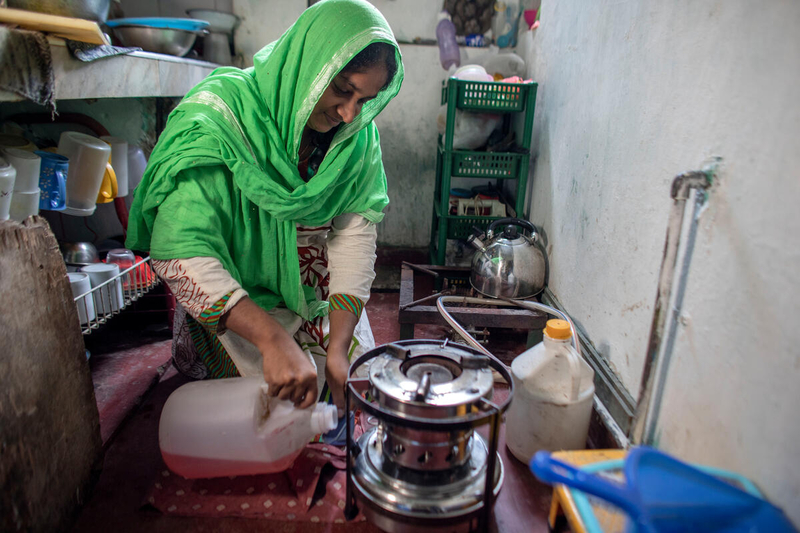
[336, 369]
[343, 323]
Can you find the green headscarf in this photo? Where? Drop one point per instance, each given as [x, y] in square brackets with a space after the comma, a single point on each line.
[251, 121]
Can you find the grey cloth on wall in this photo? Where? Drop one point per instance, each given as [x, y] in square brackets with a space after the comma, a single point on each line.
[26, 66]
[87, 52]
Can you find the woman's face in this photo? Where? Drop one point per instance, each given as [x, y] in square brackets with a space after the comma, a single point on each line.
[344, 97]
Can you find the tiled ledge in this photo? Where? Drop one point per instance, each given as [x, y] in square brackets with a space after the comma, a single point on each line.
[137, 75]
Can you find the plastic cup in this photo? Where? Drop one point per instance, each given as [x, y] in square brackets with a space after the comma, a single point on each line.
[8, 176]
[119, 160]
[80, 284]
[27, 165]
[88, 157]
[53, 181]
[108, 298]
[23, 205]
[124, 259]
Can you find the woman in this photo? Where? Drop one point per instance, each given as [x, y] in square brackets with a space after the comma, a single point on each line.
[260, 200]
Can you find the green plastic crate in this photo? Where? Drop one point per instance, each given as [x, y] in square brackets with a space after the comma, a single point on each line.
[489, 96]
[462, 227]
[497, 165]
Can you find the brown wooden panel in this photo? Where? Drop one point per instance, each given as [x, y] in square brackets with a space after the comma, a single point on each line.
[49, 428]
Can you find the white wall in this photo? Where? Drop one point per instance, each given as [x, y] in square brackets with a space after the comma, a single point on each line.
[263, 21]
[170, 8]
[631, 94]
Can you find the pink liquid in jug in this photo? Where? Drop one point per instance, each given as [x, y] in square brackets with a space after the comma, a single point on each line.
[207, 467]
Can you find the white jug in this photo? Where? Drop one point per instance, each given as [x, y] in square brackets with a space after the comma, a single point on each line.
[230, 427]
[553, 393]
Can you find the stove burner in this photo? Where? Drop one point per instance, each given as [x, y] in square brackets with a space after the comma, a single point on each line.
[438, 369]
[423, 467]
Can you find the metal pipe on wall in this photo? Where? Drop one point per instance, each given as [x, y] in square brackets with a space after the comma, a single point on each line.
[682, 187]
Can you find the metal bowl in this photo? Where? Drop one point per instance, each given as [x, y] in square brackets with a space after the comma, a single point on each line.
[79, 253]
[159, 40]
[83, 9]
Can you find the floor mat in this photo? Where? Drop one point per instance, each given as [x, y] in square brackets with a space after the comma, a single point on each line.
[312, 490]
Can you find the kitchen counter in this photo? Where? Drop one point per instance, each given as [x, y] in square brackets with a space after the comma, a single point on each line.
[137, 75]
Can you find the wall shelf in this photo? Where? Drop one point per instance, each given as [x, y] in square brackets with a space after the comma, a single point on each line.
[137, 75]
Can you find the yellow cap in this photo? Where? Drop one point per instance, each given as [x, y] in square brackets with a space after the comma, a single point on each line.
[558, 329]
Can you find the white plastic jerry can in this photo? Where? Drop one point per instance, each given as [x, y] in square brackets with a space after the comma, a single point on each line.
[231, 427]
[553, 394]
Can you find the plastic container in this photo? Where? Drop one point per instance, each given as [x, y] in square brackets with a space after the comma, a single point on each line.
[53, 181]
[231, 427]
[504, 24]
[662, 494]
[28, 166]
[24, 205]
[88, 157]
[553, 393]
[504, 65]
[8, 176]
[119, 160]
[449, 54]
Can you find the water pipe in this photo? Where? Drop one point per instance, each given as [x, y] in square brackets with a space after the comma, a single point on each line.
[682, 187]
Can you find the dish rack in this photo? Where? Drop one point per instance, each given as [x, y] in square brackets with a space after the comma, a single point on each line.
[133, 282]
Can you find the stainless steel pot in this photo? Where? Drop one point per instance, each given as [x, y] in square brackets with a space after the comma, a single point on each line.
[85, 9]
[508, 263]
[159, 40]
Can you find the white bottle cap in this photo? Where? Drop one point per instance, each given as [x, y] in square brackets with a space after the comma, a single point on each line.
[324, 418]
[443, 15]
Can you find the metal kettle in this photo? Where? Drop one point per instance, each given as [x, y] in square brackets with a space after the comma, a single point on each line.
[509, 263]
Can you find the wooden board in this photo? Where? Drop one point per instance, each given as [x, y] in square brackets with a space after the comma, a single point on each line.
[86, 31]
[49, 427]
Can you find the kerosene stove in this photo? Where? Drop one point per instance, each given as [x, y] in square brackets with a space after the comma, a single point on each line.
[423, 467]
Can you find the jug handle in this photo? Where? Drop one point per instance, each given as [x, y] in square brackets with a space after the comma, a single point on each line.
[573, 359]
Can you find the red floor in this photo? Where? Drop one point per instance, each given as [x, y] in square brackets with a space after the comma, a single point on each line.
[124, 372]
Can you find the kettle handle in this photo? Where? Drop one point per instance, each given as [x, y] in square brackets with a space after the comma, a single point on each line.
[512, 222]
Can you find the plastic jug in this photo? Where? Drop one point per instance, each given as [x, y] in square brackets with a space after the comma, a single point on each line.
[449, 54]
[230, 427]
[553, 394]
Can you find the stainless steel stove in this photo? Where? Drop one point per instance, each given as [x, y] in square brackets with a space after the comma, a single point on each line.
[423, 467]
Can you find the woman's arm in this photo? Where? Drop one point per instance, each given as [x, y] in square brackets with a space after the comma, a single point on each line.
[342, 324]
[351, 264]
[200, 283]
[288, 371]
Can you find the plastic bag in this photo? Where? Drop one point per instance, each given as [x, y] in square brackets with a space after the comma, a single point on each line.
[471, 130]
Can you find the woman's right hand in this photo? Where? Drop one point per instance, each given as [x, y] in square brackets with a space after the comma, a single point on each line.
[288, 371]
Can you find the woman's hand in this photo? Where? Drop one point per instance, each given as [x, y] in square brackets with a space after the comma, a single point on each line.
[288, 371]
[336, 369]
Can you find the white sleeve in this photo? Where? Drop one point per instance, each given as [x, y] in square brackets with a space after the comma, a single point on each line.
[198, 283]
[351, 256]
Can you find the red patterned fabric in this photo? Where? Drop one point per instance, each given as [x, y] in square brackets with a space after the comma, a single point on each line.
[293, 495]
